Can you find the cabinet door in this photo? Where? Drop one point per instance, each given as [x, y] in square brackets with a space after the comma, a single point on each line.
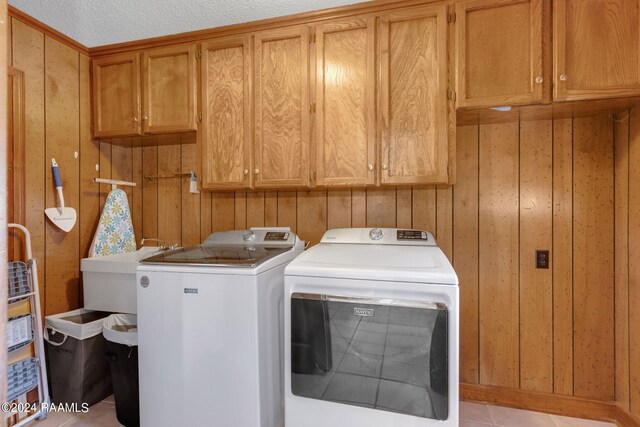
[282, 108]
[116, 95]
[169, 89]
[345, 113]
[596, 48]
[226, 113]
[413, 96]
[499, 45]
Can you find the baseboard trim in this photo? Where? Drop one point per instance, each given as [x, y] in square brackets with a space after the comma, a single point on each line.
[624, 418]
[569, 406]
[542, 402]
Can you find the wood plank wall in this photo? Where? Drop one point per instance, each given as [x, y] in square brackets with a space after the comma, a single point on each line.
[57, 124]
[627, 263]
[527, 186]
[521, 187]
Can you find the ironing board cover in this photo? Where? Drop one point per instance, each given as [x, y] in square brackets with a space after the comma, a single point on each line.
[115, 229]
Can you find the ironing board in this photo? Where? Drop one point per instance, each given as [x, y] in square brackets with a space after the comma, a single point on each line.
[115, 229]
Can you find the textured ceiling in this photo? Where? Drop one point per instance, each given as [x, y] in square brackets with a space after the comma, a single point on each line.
[100, 22]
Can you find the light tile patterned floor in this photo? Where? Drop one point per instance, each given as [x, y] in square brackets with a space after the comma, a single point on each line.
[480, 415]
[103, 414]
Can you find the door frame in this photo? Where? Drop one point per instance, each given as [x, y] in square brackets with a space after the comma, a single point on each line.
[16, 206]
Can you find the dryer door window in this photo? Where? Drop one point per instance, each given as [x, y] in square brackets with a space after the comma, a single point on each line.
[386, 354]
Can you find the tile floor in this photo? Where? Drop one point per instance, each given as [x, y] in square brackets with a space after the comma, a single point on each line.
[480, 415]
[103, 414]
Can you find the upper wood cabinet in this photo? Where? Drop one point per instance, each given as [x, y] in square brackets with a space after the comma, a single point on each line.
[282, 108]
[116, 95]
[227, 125]
[596, 48]
[499, 45]
[345, 97]
[413, 122]
[169, 89]
[412, 94]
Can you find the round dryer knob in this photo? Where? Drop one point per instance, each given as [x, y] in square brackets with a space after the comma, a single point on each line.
[375, 234]
[249, 236]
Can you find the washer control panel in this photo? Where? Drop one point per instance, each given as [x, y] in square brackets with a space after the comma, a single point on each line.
[276, 236]
[257, 236]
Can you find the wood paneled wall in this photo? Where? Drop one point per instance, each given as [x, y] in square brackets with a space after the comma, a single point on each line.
[57, 124]
[527, 186]
[167, 210]
[627, 262]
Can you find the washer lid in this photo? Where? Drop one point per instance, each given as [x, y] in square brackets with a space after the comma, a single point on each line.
[402, 263]
[219, 255]
[234, 248]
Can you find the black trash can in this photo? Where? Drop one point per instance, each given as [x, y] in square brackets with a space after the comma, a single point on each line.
[121, 334]
[76, 368]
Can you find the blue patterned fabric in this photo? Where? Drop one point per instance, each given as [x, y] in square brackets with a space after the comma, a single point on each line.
[115, 229]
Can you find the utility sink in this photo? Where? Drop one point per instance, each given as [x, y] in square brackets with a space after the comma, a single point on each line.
[109, 282]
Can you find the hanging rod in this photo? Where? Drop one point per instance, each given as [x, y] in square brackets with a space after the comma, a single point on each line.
[114, 182]
[175, 175]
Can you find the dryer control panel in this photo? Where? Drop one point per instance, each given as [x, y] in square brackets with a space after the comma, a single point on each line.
[380, 236]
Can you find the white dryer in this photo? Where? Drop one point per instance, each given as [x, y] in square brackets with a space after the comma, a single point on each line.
[371, 332]
[210, 331]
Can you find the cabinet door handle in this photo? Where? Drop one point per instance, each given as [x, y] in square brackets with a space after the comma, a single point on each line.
[563, 77]
[256, 171]
[246, 171]
[370, 166]
[145, 118]
[135, 119]
[385, 167]
[539, 79]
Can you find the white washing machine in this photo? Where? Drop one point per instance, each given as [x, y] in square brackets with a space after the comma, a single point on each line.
[371, 332]
[210, 331]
